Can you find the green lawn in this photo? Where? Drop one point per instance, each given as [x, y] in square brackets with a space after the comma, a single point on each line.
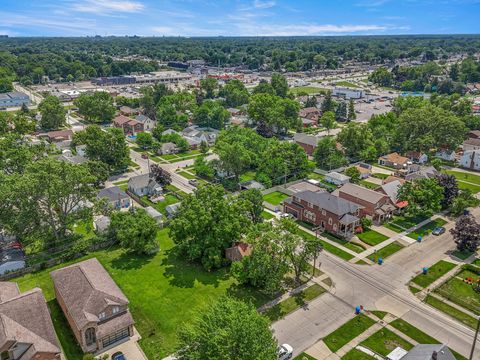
[426, 229]
[462, 255]
[355, 354]
[453, 312]
[249, 175]
[266, 215]
[347, 332]
[385, 341]
[386, 251]
[329, 247]
[346, 84]
[368, 184]
[349, 245]
[406, 222]
[294, 302]
[304, 356]
[393, 227]
[164, 292]
[380, 176]
[414, 290]
[461, 293]
[379, 314]
[436, 271]
[462, 176]
[372, 237]
[161, 205]
[275, 198]
[187, 175]
[307, 89]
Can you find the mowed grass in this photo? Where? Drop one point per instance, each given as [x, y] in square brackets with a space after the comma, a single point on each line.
[406, 222]
[355, 354]
[329, 247]
[426, 229]
[463, 176]
[347, 332]
[294, 302]
[304, 356]
[436, 271]
[461, 293]
[372, 237]
[164, 291]
[453, 312]
[385, 341]
[306, 89]
[387, 251]
[346, 84]
[161, 205]
[275, 198]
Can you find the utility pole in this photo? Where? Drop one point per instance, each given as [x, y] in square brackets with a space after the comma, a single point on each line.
[475, 339]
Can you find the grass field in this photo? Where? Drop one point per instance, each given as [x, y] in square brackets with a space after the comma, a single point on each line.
[466, 180]
[275, 198]
[294, 302]
[372, 237]
[426, 229]
[436, 271]
[347, 332]
[355, 354]
[306, 89]
[329, 247]
[346, 84]
[164, 292]
[453, 312]
[385, 341]
[461, 293]
[387, 251]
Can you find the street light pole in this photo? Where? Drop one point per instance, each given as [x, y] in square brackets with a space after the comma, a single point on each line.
[475, 339]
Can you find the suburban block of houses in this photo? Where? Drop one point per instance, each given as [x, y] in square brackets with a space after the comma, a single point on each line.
[95, 307]
[26, 329]
[327, 211]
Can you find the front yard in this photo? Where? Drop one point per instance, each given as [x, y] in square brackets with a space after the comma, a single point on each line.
[372, 237]
[387, 251]
[426, 229]
[164, 292]
[435, 272]
[347, 332]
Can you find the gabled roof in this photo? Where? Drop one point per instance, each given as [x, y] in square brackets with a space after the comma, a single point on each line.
[24, 317]
[360, 192]
[472, 141]
[337, 176]
[327, 201]
[306, 139]
[395, 158]
[391, 189]
[121, 119]
[425, 352]
[113, 193]
[142, 118]
[87, 289]
[142, 181]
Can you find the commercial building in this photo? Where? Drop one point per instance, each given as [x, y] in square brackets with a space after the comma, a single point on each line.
[348, 93]
[13, 99]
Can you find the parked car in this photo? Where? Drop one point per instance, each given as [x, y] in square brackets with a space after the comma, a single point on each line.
[193, 182]
[285, 352]
[118, 356]
[438, 231]
[286, 216]
[144, 156]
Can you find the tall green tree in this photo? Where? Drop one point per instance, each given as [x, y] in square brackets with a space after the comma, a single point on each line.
[466, 233]
[53, 113]
[235, 93]
[327, 155]
[424, 197]
[280, 85]
[96, 108]
[253, 204]
[230, 330]
[341, 112]
[211, 114]
[328, 104]
[328, 121]
[351, 111]
[209, 86]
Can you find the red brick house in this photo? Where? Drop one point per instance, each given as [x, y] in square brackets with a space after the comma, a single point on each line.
[307, 142]
[311, 113]
[329, 212]
[375, 205]
[129, 126]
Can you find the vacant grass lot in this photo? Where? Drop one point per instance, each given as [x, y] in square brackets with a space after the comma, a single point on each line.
[307, 89]
[329, 247]
[385, 252]
[275, 198]
[164, 292]
[349, 245]
[294, 302]
[372, 237]
[453, 312]
[426, 229]
[406, 222]
[436, 271]
[385, 341]
[347, 332]
[461, 293]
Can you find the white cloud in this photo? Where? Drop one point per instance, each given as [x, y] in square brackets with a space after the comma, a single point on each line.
[108, 6]
[306, 29]
[261, 4]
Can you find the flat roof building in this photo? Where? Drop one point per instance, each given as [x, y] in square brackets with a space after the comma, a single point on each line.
[13, 99]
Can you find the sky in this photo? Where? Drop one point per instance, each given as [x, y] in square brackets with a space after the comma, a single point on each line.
[237, 17]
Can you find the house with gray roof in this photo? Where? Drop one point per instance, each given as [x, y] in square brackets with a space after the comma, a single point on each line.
[144, 185]
[154, 214]
[336, 178]
[307, 142]
[148, 124]
[324, 210]
[199, 134]
[172, 209]
[429, 352]
[95, 307]
[26, 328]
[168, 148]
[115, 197]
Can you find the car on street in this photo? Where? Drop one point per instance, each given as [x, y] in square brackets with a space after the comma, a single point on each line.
[118, 356]
[285, 352]
[438, 231]
[144, 156]
[193, 182]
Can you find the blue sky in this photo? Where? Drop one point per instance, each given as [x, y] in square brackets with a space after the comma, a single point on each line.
[237, 17]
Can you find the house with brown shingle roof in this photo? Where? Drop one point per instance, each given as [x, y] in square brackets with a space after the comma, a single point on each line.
[394, 160]
[26, 329]
[129, 126]
[238, 251]
[95, 307]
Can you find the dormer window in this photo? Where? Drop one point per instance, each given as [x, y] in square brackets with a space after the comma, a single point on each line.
[102, 315]
[115, 310]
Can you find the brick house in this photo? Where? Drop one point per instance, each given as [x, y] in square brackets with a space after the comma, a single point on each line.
[129, 126]
[375, 205]
[307, 142]
[26, 328]
[310, 113]
[95, 307]
[329, 212]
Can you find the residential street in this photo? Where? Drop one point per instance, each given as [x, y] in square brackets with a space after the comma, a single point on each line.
[376, 287]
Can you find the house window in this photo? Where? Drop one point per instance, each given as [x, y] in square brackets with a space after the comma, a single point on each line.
[115, 310]
[102, 315]
[335, 227]
[324, 212]
[309, 215]
[329, 221]
[309, 205]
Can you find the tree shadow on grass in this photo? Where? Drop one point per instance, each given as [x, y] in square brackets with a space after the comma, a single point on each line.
[65, 335]
[251, 295]
[130, 261]
[181, 273]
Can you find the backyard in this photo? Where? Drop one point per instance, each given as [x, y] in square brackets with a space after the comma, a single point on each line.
[161, 205]
[275, 198]
[164, 293]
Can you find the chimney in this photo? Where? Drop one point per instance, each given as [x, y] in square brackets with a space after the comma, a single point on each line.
[434, 355]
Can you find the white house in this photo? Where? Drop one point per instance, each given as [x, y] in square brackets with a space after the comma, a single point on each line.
[470, 160]
[337, 178]
[471, 144]
[447, 155]
[148, 124]
[142, 185]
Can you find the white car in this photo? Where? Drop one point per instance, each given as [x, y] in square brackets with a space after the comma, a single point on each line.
[285, 352]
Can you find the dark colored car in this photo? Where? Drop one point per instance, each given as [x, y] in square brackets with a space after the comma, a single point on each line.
[438, 231]
[144, 156]
[118, 356]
